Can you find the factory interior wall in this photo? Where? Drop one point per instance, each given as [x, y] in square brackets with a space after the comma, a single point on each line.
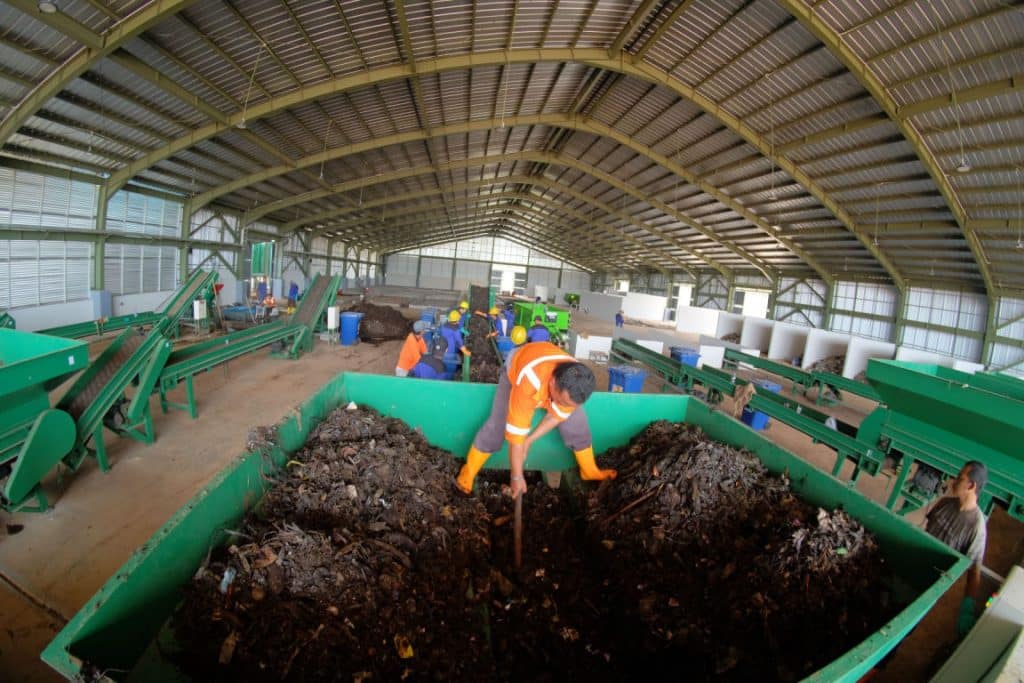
[545, 277]
[755, 303]
[401, 270]
[35, 318]
[575, 281]
[644, 306]
[139, 303]
[472, 273]
[436, 273]
[601, 305]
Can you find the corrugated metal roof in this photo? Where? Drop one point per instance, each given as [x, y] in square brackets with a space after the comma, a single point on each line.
[769, 82]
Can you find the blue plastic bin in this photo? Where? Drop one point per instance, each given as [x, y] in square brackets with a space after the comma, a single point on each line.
[350, 328]
[768, 385]
[755, 418]
[504, 344]
[429, 315]
[626, 379]
[685, 355]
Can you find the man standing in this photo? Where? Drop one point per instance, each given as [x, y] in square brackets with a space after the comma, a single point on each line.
[957, 521]
[620, 320]
[413, 348]
[537, 375]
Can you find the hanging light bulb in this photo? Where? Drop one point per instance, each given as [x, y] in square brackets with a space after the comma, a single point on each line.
[964, 166]
[48, 6]
[252, 79]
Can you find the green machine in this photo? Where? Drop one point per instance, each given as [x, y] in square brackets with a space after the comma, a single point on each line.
[296, 335]
[938, 419]
[33, 436]
[123, 627]
[556, 319]
[6, 321]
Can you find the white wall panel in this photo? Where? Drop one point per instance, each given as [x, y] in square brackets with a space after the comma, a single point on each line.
[472, 273]
[401, 270]
[436, 273]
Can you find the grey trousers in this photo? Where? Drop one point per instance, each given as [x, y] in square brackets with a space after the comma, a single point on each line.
[575, 430]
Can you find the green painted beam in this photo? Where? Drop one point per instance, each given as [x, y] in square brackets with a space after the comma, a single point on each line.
[84, 59]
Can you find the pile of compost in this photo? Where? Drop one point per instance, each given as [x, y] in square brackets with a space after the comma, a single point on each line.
[362, 563]
[832, 364]
[732, 338]
[380, 323]
[485, 365]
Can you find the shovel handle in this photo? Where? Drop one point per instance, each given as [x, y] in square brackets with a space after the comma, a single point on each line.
[517, 531]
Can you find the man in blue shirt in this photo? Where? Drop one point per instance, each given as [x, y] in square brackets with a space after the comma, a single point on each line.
[619, 319]
[538, 332]
[451, 331]
[429, 367]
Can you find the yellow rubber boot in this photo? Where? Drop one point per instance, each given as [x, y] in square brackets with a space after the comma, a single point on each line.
[588, 468]
[475, 459]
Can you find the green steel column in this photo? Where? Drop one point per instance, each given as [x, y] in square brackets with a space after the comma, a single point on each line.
[901, 315]
[991, 330]
[330, 256]
[186, 234]
[419, 263]
[98, 254]
[730, 295]
[826, 315]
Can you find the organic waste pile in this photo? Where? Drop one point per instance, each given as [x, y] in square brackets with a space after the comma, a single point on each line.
[380, 323]
[362, 563]
[732, 338]
[485, 365]
[832, 364]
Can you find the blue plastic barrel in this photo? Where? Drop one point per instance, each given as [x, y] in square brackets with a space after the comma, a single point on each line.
[350, 328]
[626, 379]
[755, 418]
[429, 315]
[504, 344]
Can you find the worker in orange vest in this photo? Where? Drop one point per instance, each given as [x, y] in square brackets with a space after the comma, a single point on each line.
[412, 349]
[538, 375]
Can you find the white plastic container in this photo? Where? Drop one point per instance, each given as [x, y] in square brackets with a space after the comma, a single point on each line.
[199, 309]
[332, 317]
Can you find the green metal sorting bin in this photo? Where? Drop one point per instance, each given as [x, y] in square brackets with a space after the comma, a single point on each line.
[115, 629]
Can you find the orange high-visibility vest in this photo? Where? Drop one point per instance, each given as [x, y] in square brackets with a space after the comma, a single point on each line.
[529, 371]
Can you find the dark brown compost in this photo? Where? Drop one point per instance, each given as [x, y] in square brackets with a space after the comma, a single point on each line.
[362, 563]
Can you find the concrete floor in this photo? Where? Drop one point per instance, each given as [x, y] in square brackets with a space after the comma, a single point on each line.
[60, 558]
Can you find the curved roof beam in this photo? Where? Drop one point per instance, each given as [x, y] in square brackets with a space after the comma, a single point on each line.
[291, 226]
[555, 120]
[96, 48]
[862, 71]
[606, 235]
[595, 57]
[539, 157]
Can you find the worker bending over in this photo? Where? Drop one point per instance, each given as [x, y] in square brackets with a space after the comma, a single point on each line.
[412, 349]
[451, 332]
[536, 376]
[538, 333]
[430, 365]
[957, 521]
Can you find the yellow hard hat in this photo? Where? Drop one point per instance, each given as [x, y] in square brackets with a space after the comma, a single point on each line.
[494, 310]
[518, 335]
[464, 304]
[454, 317]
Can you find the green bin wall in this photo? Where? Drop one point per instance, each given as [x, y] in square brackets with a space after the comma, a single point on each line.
[117, 624]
